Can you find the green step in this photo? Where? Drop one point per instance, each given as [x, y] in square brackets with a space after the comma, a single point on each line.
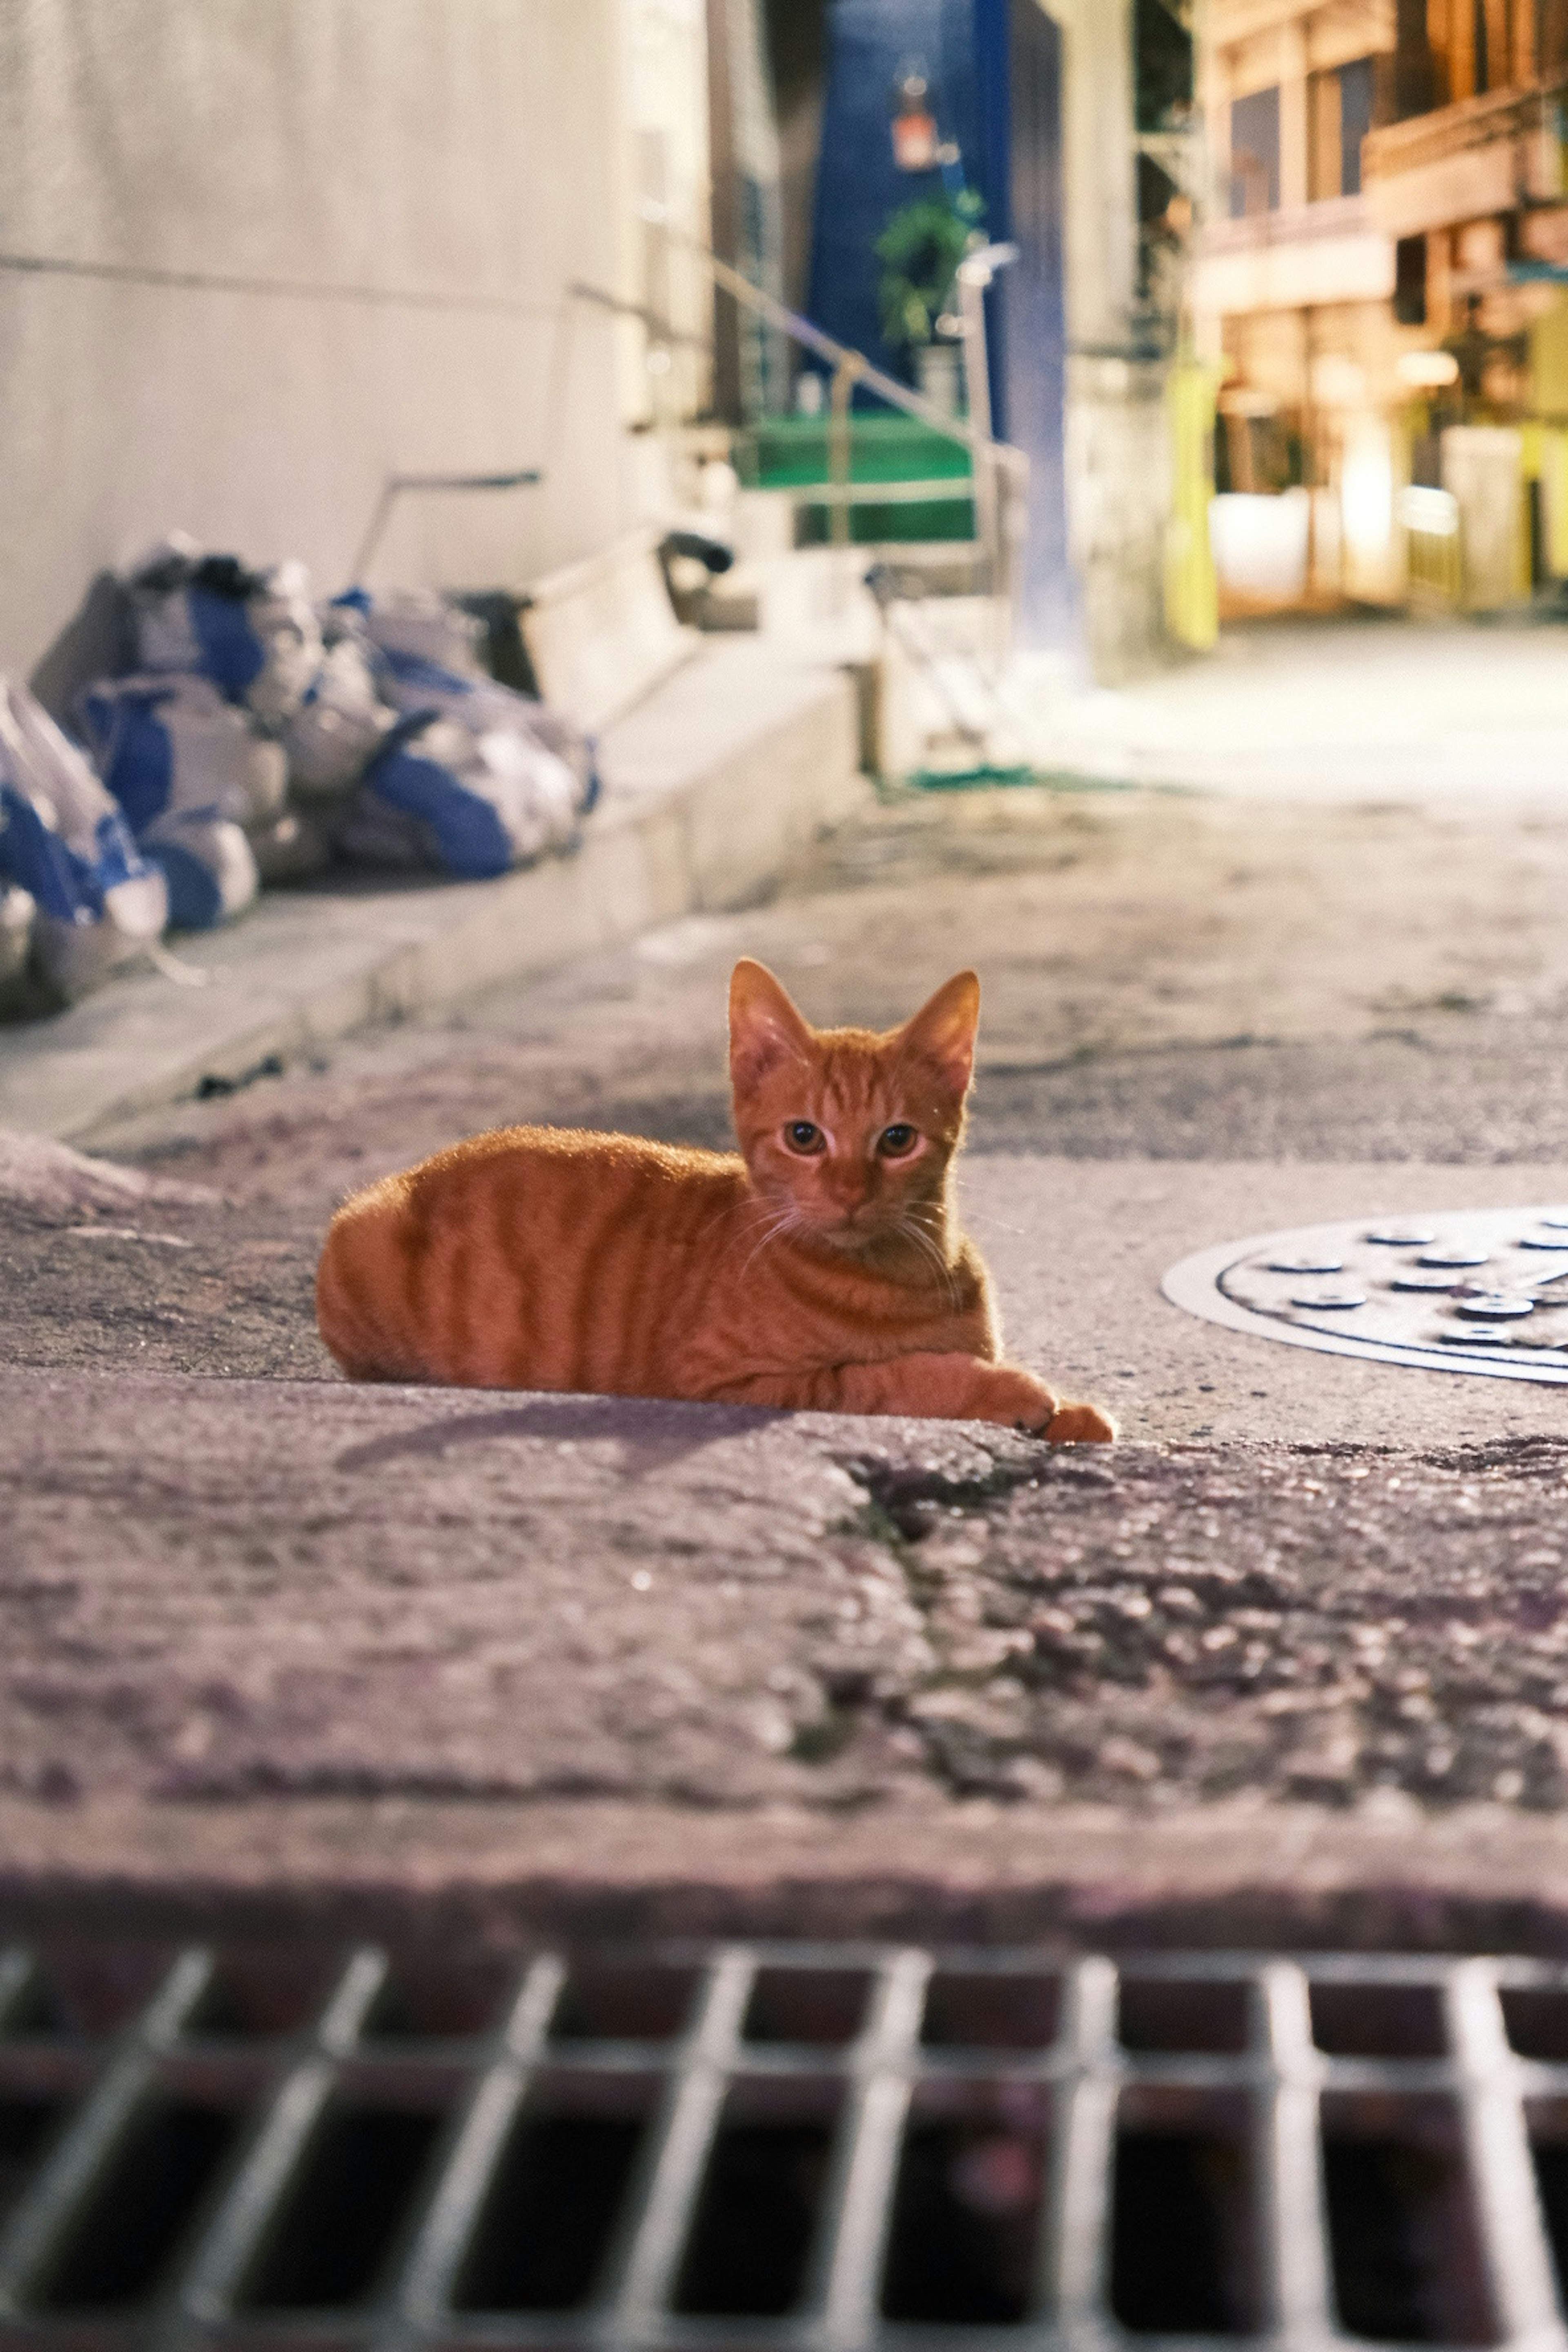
[788, 453]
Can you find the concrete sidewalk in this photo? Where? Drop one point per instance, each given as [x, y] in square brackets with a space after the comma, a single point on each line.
[712, 784]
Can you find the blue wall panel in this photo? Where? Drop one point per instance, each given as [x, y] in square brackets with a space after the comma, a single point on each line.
[857, 182]
[995, 67]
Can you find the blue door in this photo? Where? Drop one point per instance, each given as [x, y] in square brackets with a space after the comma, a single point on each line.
[1020, 54]
[996, 67]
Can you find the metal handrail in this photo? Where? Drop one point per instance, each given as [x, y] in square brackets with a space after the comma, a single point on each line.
[1001, 471]
[841, 355]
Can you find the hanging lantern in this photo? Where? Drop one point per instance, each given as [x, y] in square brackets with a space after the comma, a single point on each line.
[915, 143]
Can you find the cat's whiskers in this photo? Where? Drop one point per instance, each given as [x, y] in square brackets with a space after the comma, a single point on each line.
[776, 1220]
[909, 1226]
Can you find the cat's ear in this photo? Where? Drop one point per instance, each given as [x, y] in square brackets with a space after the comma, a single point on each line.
[943, 1032]
[764, 1027]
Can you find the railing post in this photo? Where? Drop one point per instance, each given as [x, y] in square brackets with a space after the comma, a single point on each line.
[838, 445]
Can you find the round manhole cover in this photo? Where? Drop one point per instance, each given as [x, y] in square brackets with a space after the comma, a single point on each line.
[1484, 1291]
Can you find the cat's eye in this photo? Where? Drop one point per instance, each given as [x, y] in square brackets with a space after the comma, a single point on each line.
[895, 1140]
[801, 1135]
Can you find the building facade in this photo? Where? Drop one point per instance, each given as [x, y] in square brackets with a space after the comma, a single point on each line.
[1380, 282]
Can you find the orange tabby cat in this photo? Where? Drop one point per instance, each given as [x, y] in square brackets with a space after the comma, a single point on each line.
[822, 1266]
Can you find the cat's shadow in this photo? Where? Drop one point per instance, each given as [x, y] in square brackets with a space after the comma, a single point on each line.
[651, 1432]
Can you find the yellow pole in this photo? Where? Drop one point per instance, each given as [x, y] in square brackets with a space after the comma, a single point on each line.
[1192, 591]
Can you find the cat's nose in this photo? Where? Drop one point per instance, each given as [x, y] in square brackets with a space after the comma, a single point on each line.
[848, 1187]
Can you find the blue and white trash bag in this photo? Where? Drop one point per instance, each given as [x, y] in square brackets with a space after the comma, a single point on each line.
[422, 689]
[473, 779]
[470, 804]
[167, 743]
[341, 724]
[97, 902]
[195, 780]
[254, 634]
[208, 863]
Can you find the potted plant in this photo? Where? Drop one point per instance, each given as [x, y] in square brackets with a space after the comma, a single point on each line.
[919, 251]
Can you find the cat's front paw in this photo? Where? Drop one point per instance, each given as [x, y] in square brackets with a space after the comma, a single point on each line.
[1016, 1399]
[1081, 1425]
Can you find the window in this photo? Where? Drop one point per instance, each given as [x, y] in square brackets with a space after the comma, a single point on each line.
[1255, 153]
[1410, 282]
[1355, 121]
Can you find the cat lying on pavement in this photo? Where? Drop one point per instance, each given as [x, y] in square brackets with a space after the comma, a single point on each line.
[821, 1267]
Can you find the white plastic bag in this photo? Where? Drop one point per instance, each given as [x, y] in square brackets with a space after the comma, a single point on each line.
[16, 912]
[340, 725]
[97, 902]
[416, 623]
[254, 634]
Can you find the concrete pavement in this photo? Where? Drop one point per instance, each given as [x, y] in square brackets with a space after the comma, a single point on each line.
[564, 1664]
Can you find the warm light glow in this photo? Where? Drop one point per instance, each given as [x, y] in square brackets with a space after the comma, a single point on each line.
[1366, 492]
[1427, 370]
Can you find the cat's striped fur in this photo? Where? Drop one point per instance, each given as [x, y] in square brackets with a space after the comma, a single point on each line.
[820, 1267]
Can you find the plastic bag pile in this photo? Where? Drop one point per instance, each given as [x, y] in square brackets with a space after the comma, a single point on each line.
[260, 739]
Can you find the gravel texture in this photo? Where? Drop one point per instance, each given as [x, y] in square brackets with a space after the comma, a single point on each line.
[214, 1592]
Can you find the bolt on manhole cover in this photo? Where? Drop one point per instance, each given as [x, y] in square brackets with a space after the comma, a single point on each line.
[1483, 1291]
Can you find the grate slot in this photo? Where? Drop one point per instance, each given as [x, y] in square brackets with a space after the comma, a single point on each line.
[1549, 2161]
[625, 2004]
[1180, 2014]
[965, 2245]
[991, 2009]
[25, 2127]
[330, 2238]
[1536, 2023]
[1184, 2258]
[1404, 2232]
[435, 2004]
[124, 2235]
[1379, 2020]
[820, 2009]
[559, 2185]
[259, 1996]
[757, 2213]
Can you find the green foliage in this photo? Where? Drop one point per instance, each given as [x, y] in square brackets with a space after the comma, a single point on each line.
[920, 250]
[1162, 62]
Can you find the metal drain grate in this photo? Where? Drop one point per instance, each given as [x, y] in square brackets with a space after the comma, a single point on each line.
[780, 2145]
[1483, 1291]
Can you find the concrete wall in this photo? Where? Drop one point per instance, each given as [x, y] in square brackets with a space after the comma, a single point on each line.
[400, 188]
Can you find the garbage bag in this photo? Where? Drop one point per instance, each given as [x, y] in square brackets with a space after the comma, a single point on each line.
[340, 725]
[163, 744]
[254, 634]
[16, 911]
[207, 864]
[418, 624]
[469, 804]
[419, 688]
[64, 839]
[292, 848]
